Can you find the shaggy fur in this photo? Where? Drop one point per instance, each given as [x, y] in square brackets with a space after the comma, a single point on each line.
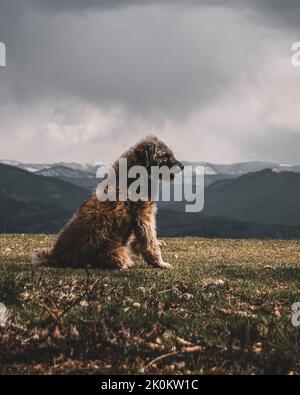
[101, 234]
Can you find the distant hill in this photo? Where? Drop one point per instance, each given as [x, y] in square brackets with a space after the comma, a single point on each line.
[81, 174]
[240, 168]
[35, 216]
[264, 197]
[178, 224]
[262, 204]
[29, 202]
[25, 186]
[35, 167]
[84, 174]
[85, 179]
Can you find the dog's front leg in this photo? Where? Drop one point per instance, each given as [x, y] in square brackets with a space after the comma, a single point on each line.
[145, 234]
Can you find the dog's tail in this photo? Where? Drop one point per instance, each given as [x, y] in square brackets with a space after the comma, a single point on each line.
[41, 258]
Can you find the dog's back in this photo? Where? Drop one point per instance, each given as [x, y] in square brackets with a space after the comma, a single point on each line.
[97, 229]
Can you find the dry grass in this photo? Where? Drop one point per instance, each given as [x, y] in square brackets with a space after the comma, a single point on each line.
[225, 308]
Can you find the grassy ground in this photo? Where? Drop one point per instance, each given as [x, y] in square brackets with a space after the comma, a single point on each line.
[225, 308]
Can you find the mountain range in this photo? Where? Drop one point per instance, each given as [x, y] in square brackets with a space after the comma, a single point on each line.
[262, 197]
[251, 199]
[30, 203]
[84, 174]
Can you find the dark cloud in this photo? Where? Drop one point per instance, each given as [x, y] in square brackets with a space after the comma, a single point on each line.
[284, 11]
[279, 5]
[146, 60]
[152, 61]
[89, 74]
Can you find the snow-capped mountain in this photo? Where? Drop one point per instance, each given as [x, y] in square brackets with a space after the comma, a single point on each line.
[240, 168]
[87, 175]
[57, 169]
[74, 169]
[64, 171]
[81, 174]
[31, 167]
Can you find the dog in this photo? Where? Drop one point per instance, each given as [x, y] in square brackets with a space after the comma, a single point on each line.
[103, 233]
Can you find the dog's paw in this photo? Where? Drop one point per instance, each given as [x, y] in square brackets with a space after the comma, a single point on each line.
[165, 265]
[128, 264]
[161, 243]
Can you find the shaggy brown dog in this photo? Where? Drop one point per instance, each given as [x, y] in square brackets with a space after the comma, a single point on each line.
[100, 234]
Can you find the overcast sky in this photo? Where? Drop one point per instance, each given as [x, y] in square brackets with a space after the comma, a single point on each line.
[85, 79]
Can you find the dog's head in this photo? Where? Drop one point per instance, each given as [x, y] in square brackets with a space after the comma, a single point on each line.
[153, 152]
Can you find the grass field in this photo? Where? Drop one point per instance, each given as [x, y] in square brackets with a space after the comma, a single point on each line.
[225, 308]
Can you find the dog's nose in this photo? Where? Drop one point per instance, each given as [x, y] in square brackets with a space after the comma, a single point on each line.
[181, 165]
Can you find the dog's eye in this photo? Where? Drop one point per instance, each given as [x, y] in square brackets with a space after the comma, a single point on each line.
[164, 159]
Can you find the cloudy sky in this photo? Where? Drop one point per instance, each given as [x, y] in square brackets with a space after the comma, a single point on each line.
[86, 78]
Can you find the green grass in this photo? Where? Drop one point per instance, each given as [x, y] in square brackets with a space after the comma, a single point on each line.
[225, 308]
